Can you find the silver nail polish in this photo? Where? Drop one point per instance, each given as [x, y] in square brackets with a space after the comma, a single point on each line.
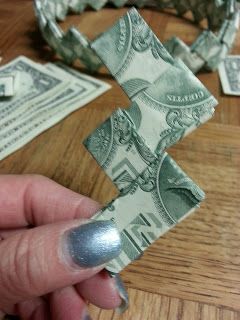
[87, 317]
[94, 243]
[123, 294]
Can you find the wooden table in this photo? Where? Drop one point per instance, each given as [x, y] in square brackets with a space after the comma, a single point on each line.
[193, 272]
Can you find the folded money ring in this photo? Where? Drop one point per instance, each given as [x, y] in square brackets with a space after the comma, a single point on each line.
[207, 52]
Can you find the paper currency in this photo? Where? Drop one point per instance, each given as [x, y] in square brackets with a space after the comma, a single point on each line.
[161, 197]
[179, 49]
[209, 49]
[222, 17]
[35, 82]
[119, 149]
[229, 29]
[155, 194]
[164, 91]
[47, 94]
[229, 72]
[7, 85]
[61, 9]
[167, 102]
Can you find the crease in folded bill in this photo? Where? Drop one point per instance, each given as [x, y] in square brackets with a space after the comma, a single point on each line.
[167, 103]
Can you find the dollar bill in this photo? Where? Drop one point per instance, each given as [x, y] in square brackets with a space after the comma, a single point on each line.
[49, 8]
[7, 85]
[76, 6]
[25, 123]
[72, 45]
[96, 4]
[179, 49]
[35, 82]
[210, 49]
[167, 102]
[162, 196]
[163, 91]
[229, 72]
[229, 29]
[80, 5]
[61, 9]
[119, 149]
[78, 86]
[72, 5]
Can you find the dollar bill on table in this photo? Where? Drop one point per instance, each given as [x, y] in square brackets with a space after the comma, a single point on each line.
[167, 103]
[8, 84]
[47, 94]
[35, 83]
[229, 72]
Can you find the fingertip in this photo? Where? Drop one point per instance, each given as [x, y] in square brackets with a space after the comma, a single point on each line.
[46, 264]
[67, 304]
[92, 244]
[37, 200]
[101, 290]
[36, 309]
[120, 287]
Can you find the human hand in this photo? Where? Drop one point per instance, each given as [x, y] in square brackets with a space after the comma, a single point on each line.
[52, 256]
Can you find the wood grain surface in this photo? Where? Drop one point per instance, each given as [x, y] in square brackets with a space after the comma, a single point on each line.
[193, 272]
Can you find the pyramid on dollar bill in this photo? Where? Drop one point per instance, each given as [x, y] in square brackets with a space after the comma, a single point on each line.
[167, 103]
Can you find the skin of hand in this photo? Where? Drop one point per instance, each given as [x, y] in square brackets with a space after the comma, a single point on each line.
[52, 255]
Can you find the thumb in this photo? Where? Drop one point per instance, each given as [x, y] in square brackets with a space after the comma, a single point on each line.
[43, 259]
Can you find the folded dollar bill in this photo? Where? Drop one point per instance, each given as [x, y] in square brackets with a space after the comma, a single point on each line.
[222, 17]
[163, 91]
[162, 196]
[210, 48]
[155, 194]
[8, 84]
[167, 102]
[120, 150]
[46, 95]
[229, 72]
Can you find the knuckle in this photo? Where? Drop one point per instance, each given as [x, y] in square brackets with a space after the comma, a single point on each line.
[17, 270]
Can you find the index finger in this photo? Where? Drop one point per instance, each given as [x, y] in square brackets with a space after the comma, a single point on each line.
[35, 200]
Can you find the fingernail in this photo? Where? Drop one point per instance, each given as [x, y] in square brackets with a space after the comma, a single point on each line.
[122, 293]
[94, 243]
[87, 317]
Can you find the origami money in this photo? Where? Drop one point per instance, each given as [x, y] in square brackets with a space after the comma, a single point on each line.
[209, 49]
[148, 75]
[229, 72]
[167, 102]
[8, 84]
